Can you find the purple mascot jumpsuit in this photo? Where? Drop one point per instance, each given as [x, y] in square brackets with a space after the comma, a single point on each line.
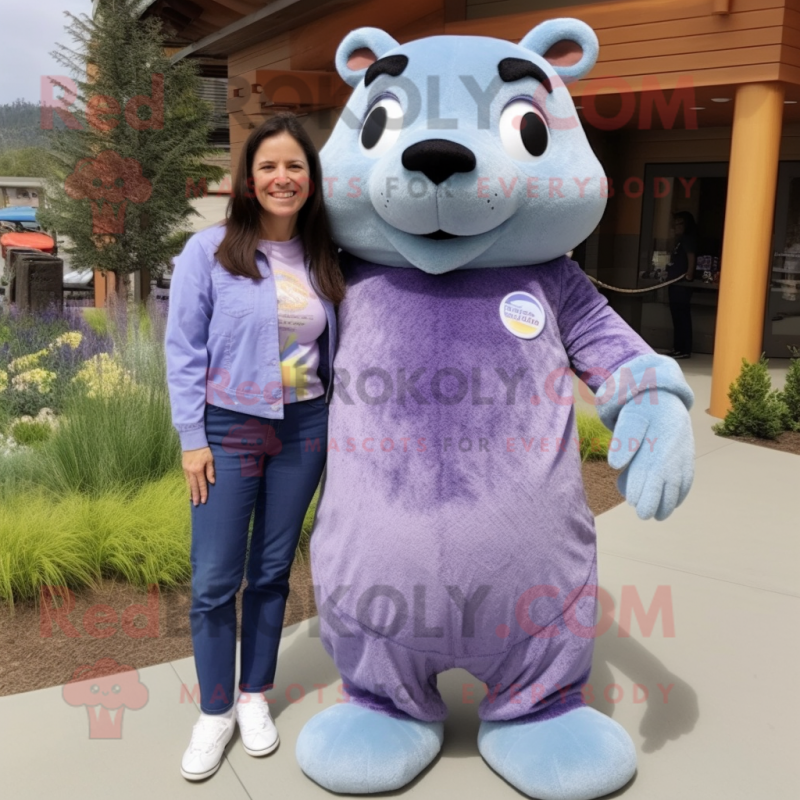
[453, 528]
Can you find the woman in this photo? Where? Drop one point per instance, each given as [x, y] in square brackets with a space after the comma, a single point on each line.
[250, 338]
[683, 262]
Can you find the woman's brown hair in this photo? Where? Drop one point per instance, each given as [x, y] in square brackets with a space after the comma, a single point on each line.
[243, 228]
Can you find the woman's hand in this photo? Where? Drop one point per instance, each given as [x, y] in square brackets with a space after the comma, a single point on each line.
[198, 467]
[691, 260]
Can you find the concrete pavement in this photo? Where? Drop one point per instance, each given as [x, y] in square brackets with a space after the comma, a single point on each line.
[712, 709]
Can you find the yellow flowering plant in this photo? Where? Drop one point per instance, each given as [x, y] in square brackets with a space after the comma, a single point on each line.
[40, 356]
[102, 376]
[27, 362]
[40, 380]
[70, 338]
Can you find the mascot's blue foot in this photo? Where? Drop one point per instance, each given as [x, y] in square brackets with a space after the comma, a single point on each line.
[354, 750]
[579, 755]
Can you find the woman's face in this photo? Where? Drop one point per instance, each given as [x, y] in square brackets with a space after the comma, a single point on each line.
[281, 175]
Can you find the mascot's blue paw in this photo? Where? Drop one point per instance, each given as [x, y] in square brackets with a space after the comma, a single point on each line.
[353, 750]
[653, 433]
[577, 756]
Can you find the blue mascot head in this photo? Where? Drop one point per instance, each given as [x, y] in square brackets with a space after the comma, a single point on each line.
[463, 151]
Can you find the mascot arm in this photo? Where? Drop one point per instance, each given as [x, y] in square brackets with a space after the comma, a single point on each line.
[641, 396]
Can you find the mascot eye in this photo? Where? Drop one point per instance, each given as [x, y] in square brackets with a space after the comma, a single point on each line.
[523, 131]
[382, 127]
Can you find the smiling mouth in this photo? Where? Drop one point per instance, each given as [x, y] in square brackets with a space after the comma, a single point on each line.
[440, 234]
[282, 195]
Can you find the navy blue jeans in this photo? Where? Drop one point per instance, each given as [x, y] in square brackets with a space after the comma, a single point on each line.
[273, 466]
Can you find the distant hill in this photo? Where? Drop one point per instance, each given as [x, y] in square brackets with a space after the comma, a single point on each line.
[20, 125]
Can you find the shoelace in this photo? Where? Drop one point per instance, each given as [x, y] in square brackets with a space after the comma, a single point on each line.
[253, 716]
[206, 733]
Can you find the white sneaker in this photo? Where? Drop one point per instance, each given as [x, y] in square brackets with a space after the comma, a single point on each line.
[203, 757]
[259, 734]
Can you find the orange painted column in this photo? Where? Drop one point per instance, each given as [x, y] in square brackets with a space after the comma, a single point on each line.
[747, 241]
[103, 286]
[99, 289]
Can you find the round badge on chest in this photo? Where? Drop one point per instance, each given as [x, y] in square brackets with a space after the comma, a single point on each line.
[522, 314]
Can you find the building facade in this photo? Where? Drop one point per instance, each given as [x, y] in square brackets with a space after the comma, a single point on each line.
[692, 106]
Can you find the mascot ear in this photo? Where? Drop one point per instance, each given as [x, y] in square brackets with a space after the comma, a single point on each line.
[568, 45]
[359, 50]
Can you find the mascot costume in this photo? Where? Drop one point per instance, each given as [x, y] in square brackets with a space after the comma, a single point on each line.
[453, 528]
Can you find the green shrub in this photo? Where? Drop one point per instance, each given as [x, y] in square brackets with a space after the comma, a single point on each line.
[116, 430]
[5, 417]
[144, 539]
[97, 320]
[39, 546]
[593, 436]
[31, 433]
[18, 473]
[791, 392]
[756, 409]
[75, 540]
[104, 495]
[118, 441]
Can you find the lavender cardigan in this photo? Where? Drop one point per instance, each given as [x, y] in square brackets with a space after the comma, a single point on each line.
[222, 340]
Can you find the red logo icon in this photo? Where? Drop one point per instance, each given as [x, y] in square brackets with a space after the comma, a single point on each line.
[252, 441]
[110, 182]
[106, 696]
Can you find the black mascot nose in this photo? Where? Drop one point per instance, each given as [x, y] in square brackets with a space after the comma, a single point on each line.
[438, 159]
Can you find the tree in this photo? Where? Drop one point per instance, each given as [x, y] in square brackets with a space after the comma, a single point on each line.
[791, 392]
[135, 133]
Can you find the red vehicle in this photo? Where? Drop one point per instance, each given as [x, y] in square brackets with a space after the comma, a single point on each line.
[21, 234]
[27, 240]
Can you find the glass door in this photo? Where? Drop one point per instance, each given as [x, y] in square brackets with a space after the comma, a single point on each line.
[699, 189]
[782, 320]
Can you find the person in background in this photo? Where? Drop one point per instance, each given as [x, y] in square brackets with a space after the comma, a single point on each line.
[682, 262]
[250, 339]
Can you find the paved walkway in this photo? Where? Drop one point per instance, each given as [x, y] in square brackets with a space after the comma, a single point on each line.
[729, 559]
